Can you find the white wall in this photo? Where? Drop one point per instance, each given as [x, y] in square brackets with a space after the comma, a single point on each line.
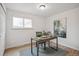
[2, 31]
[72, 39]
[19, 37]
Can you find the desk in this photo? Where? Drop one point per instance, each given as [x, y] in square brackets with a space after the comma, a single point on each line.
[43, 40]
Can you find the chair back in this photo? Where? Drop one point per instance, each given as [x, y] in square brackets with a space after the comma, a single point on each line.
[38, 34]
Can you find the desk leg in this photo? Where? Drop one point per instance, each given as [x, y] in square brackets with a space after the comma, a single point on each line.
[31, 46]
[56, 43]
[37, 44]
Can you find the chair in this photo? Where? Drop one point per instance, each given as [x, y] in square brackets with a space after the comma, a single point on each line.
[38, 34]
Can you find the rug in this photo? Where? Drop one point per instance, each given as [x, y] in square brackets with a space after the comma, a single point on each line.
[42, 52]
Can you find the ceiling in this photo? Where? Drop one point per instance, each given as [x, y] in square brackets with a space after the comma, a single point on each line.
[51, 9]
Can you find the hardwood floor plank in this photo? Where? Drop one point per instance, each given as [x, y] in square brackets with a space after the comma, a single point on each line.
[15, 50]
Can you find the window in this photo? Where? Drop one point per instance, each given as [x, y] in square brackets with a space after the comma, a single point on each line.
[22, 23]
[17, 22]
[27, 23]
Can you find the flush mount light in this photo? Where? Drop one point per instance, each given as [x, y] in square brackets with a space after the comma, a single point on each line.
[42, 7]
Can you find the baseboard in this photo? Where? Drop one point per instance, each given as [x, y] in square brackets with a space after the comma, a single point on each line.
[62, 45]
[28, 44]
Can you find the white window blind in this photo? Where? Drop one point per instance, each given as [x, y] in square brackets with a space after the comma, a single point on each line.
[22, 22]
[27, 23]
[17, 22]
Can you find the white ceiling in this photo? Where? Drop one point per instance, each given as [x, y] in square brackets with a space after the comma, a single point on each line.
[52, 8]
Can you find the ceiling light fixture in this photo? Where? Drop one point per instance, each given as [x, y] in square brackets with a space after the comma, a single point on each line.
[42, 7]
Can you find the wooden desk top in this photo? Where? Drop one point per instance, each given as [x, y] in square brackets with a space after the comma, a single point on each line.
[43, 38]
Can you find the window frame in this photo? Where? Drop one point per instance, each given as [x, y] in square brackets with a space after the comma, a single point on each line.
[13, 27]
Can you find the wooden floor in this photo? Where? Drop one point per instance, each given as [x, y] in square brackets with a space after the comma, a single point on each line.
[15, 51]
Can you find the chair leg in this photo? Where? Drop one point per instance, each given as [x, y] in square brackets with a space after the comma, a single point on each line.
[41, 45]
[44, 45]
